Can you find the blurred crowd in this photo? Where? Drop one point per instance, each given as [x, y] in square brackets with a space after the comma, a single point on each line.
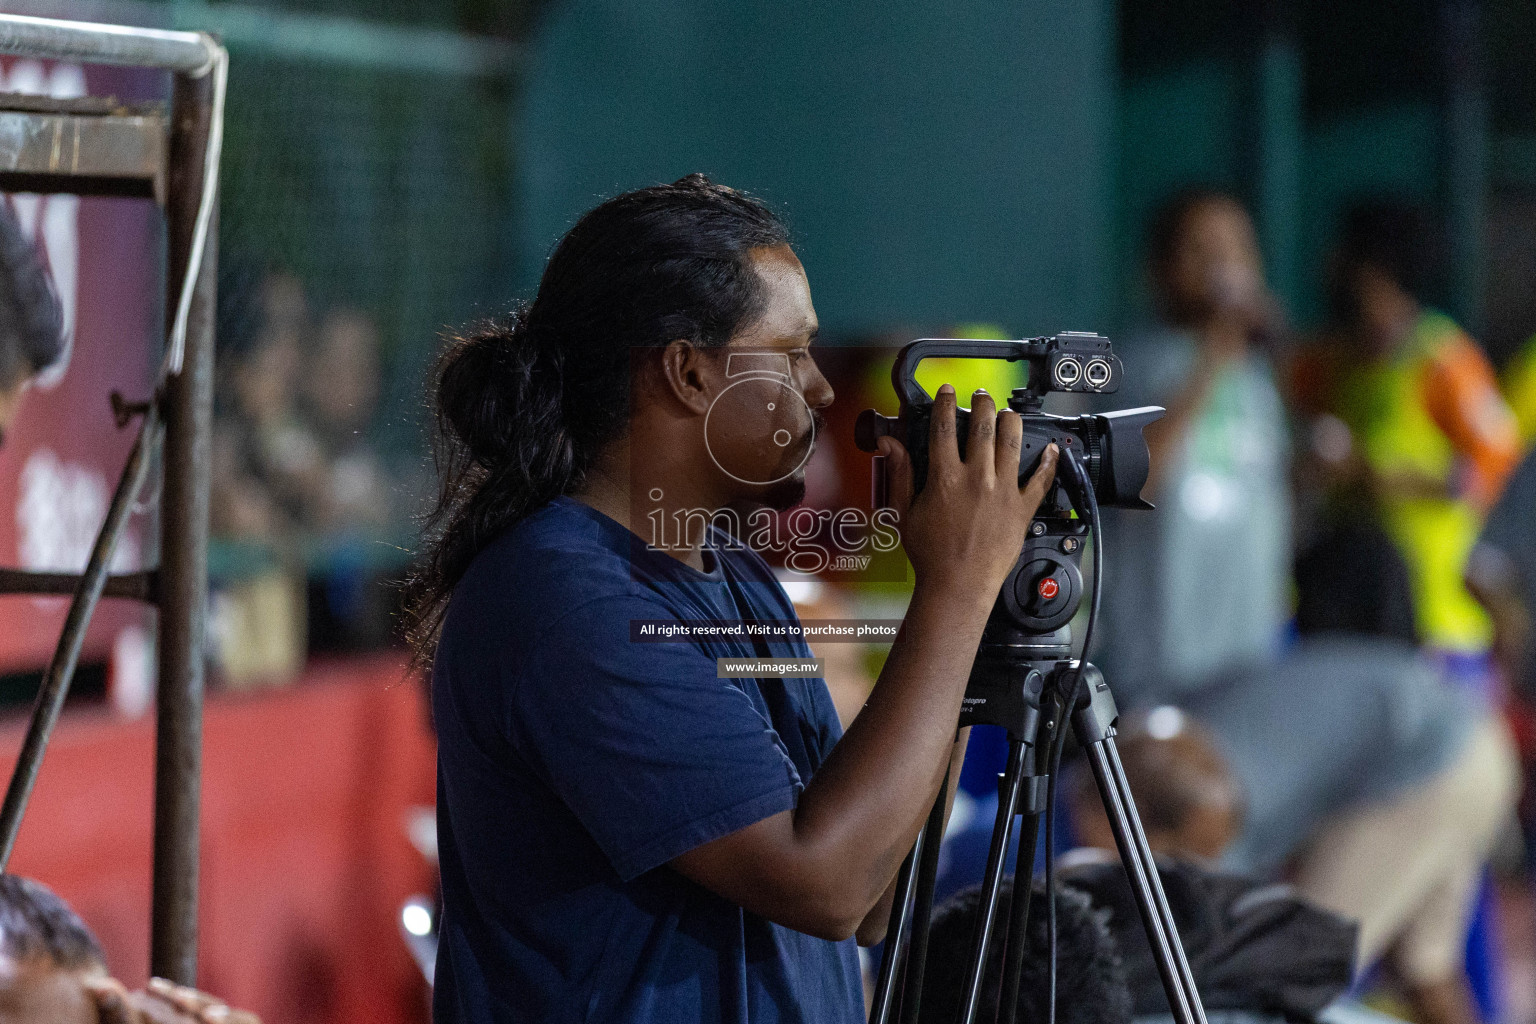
[308, 519]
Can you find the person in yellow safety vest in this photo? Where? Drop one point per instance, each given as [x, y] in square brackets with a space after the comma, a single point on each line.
[1434, 437]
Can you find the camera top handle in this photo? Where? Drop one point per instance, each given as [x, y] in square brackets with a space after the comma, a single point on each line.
[1071, 361]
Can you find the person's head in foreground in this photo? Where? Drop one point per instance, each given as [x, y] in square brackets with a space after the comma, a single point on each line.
[48, 957]
[1091, 984]
[1189, 802]
[31, 321]
[52, 971]
[672, 323]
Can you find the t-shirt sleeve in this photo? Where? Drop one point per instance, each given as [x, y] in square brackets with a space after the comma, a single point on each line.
[1462, 396]
[651, 752]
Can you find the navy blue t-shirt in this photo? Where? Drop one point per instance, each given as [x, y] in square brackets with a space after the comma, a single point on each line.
[574, 763]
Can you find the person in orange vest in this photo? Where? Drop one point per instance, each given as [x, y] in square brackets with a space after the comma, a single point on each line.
[1429, 434]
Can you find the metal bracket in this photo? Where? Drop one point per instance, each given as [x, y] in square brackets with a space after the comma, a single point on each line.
[85, 146]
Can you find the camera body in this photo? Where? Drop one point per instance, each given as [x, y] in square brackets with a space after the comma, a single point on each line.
[1109, 445]
[1028, 631]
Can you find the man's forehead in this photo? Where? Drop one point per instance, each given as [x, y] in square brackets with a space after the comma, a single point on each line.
[788, 313]
[768, 336]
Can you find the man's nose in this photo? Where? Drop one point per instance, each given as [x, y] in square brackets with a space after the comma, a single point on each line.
[818, 395]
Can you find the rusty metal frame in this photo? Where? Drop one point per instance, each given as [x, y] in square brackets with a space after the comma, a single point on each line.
[88, 147]
[97, 147]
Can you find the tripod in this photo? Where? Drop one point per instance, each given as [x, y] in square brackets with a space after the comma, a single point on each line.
[1031, 687]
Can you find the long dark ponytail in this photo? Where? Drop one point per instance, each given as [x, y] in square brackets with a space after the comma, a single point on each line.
[525, 403]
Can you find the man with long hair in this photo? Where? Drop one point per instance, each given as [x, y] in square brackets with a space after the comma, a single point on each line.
[625, 833]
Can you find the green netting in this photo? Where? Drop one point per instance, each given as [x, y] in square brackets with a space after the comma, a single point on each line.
[380, 191]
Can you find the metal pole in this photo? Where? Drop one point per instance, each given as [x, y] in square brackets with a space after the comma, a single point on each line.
[922, 907]
[53, 39]
[61, 670]
[1147, 885]
[1017, 947]
[136, 586]
[888, 981]
[1011, 787]
[188, 408]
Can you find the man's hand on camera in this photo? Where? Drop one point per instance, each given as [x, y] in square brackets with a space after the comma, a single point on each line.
[969, 523]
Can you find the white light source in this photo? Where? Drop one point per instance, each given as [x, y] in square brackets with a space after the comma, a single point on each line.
[416, 919]
[1164, 723]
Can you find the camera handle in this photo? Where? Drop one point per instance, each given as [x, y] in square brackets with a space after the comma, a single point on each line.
[904, 372]
[1031, 724]
[1040, 353]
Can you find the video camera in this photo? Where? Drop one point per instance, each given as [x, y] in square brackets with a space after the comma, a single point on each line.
[1109, 445]
[1044, 589]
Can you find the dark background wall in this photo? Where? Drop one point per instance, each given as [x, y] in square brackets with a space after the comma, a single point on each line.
[937, 162]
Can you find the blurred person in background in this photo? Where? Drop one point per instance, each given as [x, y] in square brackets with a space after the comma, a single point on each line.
[350, 506]
[52, 971]
[281, 449]
[341, 383]
[262, 441]
[1218, 471]
[1430, 439]
[1257, 950]
[265, 462]
[1501, 574]
[1354, 755]
[299, 492]
[31, 321]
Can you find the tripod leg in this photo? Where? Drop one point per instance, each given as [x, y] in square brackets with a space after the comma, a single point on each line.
[1017, 947]
[881, 1010]
[1002, 835]
[927, 874]
[1167, 950]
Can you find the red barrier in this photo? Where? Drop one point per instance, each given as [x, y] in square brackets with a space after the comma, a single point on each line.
[305, 858]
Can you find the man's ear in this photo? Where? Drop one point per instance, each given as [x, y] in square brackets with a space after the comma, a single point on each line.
[689, 373]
